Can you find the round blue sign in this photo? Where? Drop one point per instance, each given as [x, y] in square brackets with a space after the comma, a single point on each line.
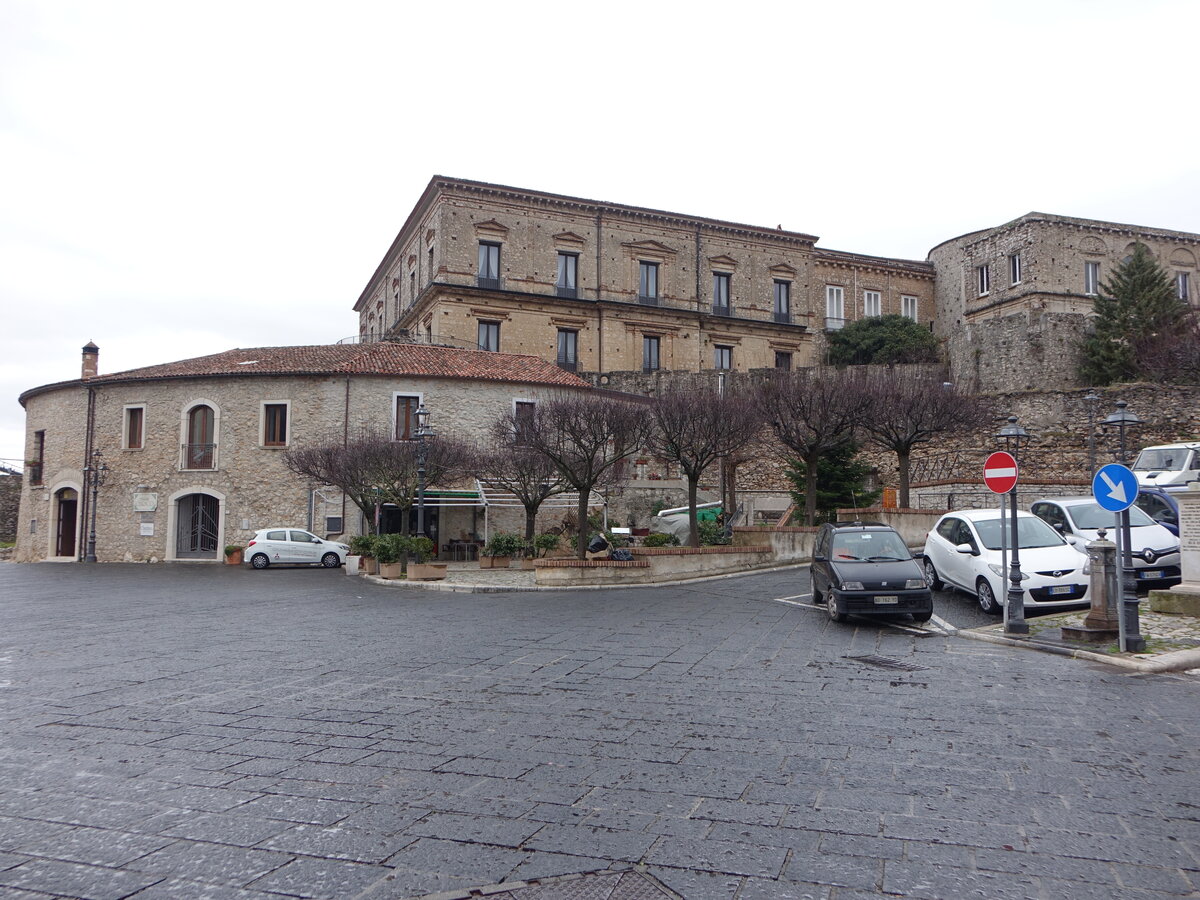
[1115, 487]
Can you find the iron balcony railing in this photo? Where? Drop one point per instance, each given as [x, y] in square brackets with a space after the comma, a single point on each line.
[35, 473]
[646, 300]
[783, 318]
[567, 293]
[570, 365]
[832, 324]
[199, 456]
[722, 309]
[493, 284]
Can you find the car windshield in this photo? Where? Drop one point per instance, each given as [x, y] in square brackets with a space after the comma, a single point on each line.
[1031, 532]
[866, 546]
[1092, 516]
[1163, 458]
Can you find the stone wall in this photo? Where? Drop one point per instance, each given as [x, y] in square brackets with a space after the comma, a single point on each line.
[10, 503]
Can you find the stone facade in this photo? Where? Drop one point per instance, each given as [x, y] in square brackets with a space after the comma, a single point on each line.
[1018, 325]
[10, 502]
[146, 488]
[717, 296]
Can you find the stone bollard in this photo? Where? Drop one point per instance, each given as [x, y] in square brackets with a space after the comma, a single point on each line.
[1102, 623]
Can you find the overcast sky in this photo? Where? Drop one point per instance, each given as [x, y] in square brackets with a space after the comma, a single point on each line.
[179, 179]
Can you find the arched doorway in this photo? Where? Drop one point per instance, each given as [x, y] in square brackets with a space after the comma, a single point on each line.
[197, 527]
[66, 512]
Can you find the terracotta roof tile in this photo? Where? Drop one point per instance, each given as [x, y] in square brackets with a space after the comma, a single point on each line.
[380, 358]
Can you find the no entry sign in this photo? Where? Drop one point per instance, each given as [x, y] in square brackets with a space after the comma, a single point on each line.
[1000, 472]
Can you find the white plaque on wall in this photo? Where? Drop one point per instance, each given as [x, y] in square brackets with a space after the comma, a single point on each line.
[147, 529]
[145, 502]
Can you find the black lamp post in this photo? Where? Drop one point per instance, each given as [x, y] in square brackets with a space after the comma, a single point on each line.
[1131, 638]
[423, 431]
[95, 472]
[1092, 399]
[1014, 609]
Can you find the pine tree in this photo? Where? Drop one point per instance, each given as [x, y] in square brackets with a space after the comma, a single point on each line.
[1136, 303]
[840, 482]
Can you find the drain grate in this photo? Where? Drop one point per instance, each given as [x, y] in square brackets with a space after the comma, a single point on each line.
[887, 662]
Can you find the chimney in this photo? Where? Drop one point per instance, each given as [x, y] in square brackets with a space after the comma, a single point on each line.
[91, 360]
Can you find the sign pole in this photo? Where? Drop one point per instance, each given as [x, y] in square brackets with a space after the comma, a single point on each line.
[1000, 476]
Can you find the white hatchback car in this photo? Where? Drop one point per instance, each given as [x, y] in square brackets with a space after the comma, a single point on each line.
[293, 546]
[963, 551]
[1156, 561]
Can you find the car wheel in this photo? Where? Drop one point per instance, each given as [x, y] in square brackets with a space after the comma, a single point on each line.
[923, 616]
[331, 560]
[931, 576]
[831, 607]
[260, 561]
[987, 597]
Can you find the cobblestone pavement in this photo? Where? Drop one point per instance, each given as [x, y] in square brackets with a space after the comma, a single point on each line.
[209, 731]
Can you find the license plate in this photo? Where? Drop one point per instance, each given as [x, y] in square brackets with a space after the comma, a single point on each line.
[882, 600]
[1150, 574]
[1061, 589]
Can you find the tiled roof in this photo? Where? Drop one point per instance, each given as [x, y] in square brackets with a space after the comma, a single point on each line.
[382, 358]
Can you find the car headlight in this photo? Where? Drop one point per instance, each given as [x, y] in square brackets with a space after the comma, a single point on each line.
[852, 586]
[915, 584]
[1087, 566]
[1001, 572]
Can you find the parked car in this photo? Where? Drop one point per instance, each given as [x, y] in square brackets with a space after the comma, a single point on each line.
[1155, 550]
[293, 546]
[1160, 505]
[963, 551]
[1168, 464]
[864, 568]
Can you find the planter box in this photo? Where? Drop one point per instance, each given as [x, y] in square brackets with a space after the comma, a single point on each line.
[234, 559]
[426, 571]
[367, 565]
[494, 562]
[391, 570]
[527, 563]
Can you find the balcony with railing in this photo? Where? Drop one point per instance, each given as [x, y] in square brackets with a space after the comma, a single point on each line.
[832, 324]
[491, 284]
[783, 317]
[199, 456]
[566, 293]
[722, 309]
[648, 299]
[35, 472]
[569, 365]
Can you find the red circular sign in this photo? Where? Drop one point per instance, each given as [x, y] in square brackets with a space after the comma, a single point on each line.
[1000, 472]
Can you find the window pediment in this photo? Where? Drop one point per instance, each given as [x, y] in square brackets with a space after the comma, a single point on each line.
[569, 239]
[649, 249]
[783, 272]
[727, 263]
[491, 228]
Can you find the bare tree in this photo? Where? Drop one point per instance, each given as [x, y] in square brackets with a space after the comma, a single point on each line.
[584, 436]
[373, 469]
[532, 477]
[694, 429]
[811, 412]
[904, 412]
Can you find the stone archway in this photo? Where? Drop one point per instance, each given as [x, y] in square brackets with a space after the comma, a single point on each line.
[197, 526]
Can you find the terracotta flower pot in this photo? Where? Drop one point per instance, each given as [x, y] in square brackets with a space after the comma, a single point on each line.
[426, 571]
[234, 558]
[391, 570]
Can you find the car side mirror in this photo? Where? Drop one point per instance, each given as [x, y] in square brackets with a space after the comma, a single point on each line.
[316, 540]
[965, 549]
[1058, 526]
[1071, 539]
[820, 559]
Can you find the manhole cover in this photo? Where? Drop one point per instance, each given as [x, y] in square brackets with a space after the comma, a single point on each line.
[625, 885]
[887, 662]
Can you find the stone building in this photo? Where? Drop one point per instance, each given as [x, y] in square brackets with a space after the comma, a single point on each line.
[602, 287]
[194, 449]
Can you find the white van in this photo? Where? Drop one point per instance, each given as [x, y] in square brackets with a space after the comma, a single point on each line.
[1168, 464]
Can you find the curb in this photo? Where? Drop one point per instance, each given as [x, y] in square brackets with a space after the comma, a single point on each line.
[466, 588]
[1178, 661]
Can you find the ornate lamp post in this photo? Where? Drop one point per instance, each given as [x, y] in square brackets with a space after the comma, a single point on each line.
[95, 472]
[424, 430]
[1014, 608]
[1131, 638]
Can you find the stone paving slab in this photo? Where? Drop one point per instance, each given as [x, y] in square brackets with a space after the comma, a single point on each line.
[187, 731]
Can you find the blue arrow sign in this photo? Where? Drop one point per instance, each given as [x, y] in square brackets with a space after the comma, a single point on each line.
[1115, 487]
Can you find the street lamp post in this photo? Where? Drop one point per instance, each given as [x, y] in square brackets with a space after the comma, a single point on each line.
[1014, 608]
[95, 472]
[1131, 638]
[1092, 399]
[423, 431]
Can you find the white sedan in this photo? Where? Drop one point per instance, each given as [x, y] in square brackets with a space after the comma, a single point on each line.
[293, 546]
[964, 551]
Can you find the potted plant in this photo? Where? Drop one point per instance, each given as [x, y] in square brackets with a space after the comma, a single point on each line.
[544, 544]
[233, 554]
[390, 552]
[421, 569]
[500, 549]
[362, 548]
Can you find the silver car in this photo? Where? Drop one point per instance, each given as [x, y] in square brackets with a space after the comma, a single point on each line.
[293, 546]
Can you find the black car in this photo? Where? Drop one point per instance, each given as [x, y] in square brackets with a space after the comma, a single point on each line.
[865, 568]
